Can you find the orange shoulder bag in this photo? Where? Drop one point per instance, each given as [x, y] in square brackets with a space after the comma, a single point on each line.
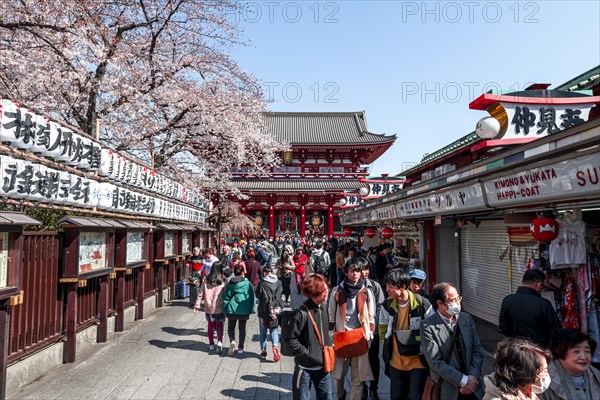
[328, 353]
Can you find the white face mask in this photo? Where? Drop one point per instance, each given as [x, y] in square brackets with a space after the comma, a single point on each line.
[453, 308]
[544, 385]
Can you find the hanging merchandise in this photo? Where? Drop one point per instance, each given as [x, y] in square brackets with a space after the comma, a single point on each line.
[594, 310]
[570, 314]
[568, 249]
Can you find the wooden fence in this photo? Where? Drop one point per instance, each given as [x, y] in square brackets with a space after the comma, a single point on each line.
[39, 321]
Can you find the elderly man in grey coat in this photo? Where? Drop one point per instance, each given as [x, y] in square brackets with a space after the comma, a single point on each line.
[450, 330]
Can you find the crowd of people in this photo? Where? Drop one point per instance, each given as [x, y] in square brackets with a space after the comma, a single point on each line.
[375, 313]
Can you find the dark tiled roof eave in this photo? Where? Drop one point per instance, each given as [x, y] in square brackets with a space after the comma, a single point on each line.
[322, 128]
[294, 185]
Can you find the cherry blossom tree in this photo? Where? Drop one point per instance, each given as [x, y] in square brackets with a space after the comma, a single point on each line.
[233, 222]
[155, 76]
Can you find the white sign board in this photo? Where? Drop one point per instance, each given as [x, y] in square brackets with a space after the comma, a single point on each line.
[573, 178]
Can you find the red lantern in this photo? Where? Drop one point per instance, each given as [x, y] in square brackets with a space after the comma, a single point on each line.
[370, 232]
[347, 231]
[387, 232]
[544, 229]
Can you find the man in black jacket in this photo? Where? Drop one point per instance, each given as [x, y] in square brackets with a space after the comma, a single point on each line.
[302, 338]
[526, 313]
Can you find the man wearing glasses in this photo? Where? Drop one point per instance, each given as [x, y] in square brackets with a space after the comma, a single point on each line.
[452, 331]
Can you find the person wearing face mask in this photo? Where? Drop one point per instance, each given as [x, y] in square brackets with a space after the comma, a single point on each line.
[452, 347]
[526, 313]
[520, 371]
[573, 377]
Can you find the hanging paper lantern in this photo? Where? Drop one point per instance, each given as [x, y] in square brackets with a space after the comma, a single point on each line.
[387, 232]
[347, 231]
[370, 232]
[544, 229]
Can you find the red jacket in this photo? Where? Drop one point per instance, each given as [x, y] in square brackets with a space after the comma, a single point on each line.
[300, 262]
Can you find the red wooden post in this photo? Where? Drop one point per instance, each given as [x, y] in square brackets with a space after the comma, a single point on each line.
[272, 221]
[302, 220]
[159, 284]
[141, 284]
[330, 221]
[71, 322]
[103, 310]
[4, 329]
[430, 248]
[171, 278]
[120, 300]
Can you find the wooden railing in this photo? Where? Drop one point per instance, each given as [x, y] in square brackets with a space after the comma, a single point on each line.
[38, 321]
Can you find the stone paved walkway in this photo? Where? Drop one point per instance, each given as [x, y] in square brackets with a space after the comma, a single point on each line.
[166, 356]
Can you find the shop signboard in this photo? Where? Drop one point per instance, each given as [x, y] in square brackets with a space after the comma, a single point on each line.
[135, 247]
[3, 259]
[92, 251]
[564, 180]
[452, 201]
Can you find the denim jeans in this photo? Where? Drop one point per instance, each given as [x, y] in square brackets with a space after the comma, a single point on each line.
[302, 380]
[407, 384]
[263, 334]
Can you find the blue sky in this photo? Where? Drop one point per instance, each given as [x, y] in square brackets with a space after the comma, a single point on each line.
[413, 66]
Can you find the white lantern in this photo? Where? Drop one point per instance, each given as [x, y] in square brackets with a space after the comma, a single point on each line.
[364, 191]
[487, 128]
[106, 162]
[43, 129]
[105, 195]
[9, 110]
[343, 201]
[94, 195]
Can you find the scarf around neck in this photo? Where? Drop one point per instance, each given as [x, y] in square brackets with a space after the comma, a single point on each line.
[352, 290]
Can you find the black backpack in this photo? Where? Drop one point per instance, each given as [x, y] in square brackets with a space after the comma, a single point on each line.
[270, 304]
[285, 322]
[321, 266]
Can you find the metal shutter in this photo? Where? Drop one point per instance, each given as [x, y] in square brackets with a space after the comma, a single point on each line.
[484, 269]
[519, 257]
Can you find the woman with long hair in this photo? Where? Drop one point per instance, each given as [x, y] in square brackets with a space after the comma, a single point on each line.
[211, 292]
[285, 270]
[236, 259]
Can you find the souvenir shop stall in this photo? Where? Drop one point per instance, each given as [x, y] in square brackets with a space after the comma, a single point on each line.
[572, 264]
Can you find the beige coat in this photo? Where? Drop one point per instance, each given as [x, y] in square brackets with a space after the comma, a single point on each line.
[368, 325]
[212, 296]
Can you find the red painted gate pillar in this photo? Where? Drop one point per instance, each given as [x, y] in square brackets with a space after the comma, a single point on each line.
[330, 221]
[302, 220]
[272, 221]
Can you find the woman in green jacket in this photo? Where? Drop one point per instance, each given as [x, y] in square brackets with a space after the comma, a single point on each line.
[238, 304]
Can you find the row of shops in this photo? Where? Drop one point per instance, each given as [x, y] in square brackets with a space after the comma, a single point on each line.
[475, 224]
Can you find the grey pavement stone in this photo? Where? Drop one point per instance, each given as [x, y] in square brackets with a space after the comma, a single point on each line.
[166, 356]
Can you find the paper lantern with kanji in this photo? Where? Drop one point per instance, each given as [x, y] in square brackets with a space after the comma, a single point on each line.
[387, 232]
[370, 232]
[544, 229]
[347, 231]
